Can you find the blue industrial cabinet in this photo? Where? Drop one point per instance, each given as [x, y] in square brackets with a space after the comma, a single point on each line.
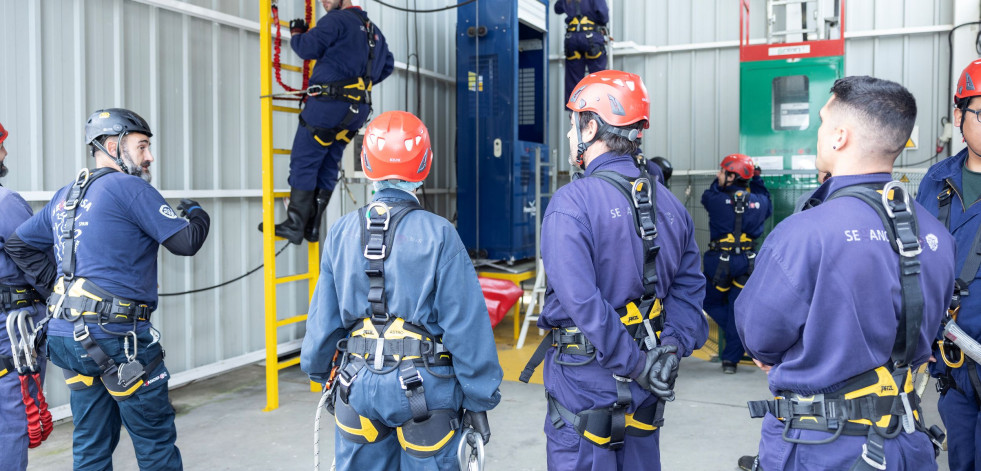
[502, 71]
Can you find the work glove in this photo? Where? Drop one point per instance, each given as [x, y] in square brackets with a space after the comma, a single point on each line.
[187, 207]
[661, 370]
[298, 26]
[477, 421]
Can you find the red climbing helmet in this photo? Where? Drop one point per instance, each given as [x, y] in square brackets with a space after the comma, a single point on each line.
[3, 134]
[968, 86]
[740, 164]
[396, 145]
[619, 98]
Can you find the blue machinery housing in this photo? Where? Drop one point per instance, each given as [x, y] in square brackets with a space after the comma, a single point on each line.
[502, 85]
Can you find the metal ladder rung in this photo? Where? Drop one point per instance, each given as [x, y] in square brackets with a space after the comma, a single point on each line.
[282, 365]
[289, 279]
[281, 194]
[284, 23]
[284, 109]
[282, 151]
[291, 320]
[291, 68]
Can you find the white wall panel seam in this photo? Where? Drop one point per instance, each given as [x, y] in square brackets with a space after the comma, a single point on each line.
[78, 63]
[186, 174]
[34, 71]
[117, 57]
[155, 115]
[218, 342]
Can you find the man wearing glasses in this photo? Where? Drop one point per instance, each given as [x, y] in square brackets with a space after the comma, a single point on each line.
[950, 190]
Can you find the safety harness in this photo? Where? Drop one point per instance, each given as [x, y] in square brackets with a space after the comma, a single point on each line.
[582, 24]
[385, 342]
[644, 320]
[355, 91]
[25, 340]
[880, 403]
[79, 299]
[735, 243]
[952, 355]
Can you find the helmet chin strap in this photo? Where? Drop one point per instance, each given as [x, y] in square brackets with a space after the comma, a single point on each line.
[581, 146]
[116, 158]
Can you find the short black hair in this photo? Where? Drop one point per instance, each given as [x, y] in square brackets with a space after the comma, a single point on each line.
[885, 106]
[615, 142]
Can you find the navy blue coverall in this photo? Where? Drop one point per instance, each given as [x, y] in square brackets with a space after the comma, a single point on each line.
[823, 305]
[720, 305]
[430, 282]
[594, 261]
[585, 45]
[13, 421]
[339, 44]
[119, 228]
[958, 407]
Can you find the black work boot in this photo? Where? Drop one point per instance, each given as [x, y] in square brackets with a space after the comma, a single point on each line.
[297, 214]
[312, 233]
[749, 463]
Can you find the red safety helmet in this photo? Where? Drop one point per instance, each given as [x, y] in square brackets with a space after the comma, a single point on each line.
[3, 134]
[967, 86]
[739, 164]
[396, 145]
[619, 98]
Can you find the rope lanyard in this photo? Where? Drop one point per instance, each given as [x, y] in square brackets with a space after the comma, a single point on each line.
[23, 336]
[278, 47]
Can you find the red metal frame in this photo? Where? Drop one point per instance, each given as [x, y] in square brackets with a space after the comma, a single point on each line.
[766, 52]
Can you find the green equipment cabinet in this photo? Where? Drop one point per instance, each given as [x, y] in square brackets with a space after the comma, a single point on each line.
[782, 87]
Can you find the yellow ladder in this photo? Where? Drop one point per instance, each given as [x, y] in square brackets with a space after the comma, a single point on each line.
[270, 278]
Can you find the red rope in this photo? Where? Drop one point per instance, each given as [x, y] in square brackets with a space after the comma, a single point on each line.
[38, 417]
[277, 50]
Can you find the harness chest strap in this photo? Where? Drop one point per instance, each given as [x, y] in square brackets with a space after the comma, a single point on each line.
[973, 262]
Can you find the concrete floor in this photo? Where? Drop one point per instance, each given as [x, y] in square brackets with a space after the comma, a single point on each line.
[221, 425]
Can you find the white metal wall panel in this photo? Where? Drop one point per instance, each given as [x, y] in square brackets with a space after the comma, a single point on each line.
[191, 68]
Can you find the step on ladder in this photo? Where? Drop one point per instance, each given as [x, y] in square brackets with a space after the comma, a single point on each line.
[537, 301]
[271, 280]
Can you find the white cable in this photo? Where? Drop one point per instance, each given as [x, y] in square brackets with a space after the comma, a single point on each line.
[316, 431]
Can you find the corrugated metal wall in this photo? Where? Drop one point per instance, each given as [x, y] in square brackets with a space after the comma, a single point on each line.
[192, 69]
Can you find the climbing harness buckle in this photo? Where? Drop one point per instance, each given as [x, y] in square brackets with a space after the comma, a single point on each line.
[870, 460]
[412, 382]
